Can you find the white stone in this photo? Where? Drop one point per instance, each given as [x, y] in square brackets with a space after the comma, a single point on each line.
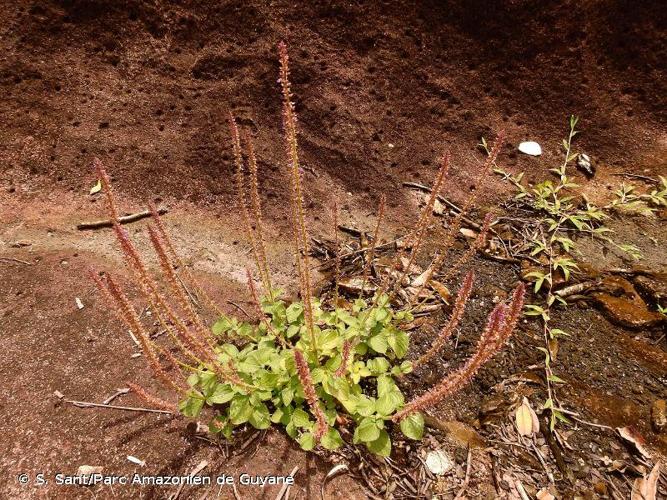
[87, 470]
[530, 148]
[438, 462]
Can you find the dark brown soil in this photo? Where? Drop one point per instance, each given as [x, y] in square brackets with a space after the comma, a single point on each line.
[382, 90]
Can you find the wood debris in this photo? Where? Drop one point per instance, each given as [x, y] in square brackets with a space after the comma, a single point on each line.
[125, 219]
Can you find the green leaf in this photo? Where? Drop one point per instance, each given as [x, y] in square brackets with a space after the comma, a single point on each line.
[399, 343]
[382, 445]
[366, 431]
[268, 380]
[332, 440]
[221, 326]
[381, 314]
[534, 310]
[386, 385]
[292, 330]
[560, 416]
[260, 418]
[290, 429]
[207, 382]
[222, 394]
[406, 367]
[413, 426]
[300, 418]
[293, 312]
[378, 343]
[383, 300]
[277, 415]
[339, 388]
[240, 410]
[192, 405]
[287, 395]
[365, 405]
[328, 339]
[96, 188]
[378, 365]
[388, 403]
[307, 441]
[547, 355]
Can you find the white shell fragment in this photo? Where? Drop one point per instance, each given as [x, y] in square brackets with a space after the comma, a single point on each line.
[79, 304]
[530, 148]
[438, 462]
[87, 470]
[137, 461]
[336, 470]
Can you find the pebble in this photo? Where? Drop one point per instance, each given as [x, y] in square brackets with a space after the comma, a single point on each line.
[585, 164]
[438, 462]
[530, 148]
[87, 470]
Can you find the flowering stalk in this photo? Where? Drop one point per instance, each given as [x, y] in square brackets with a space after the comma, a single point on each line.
[129, 316]
[422, 225]
[450, 327]
[479, 243]
[106, 184]
[257, 214]
[150, 290]
[458, 219]
[146, 283]
[515, 311]
[499, 327]
[258, 308]
[241, 197]
[231, 375]
[337, 258]
[151, 400]
[456, 380]
[167, 267]
[196, 346]
[159, 225]
[298, 215]
[478, 186]
[345, 355]
[371, 251]
[306, 380]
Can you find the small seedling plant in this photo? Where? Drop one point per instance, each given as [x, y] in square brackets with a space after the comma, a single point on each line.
[319, 369]
[551, 246]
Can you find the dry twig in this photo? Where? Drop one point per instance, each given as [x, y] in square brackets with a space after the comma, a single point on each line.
[87, 404]
[125, 219]
[464, 487]
[18, 261]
